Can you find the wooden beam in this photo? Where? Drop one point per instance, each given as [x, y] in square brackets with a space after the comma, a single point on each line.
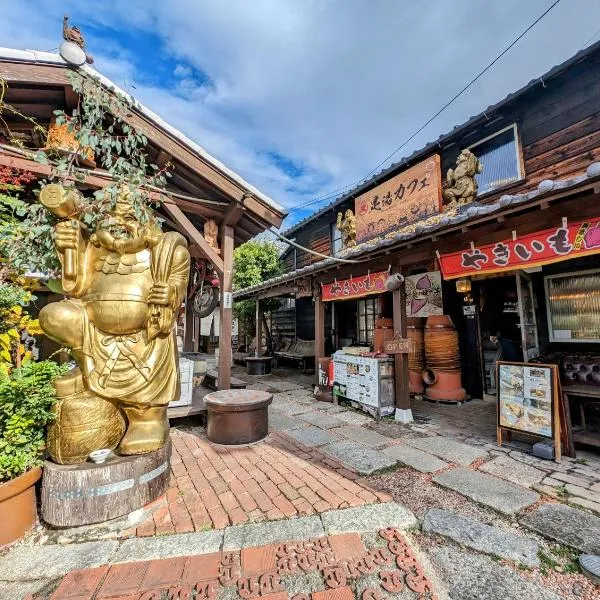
[319, 331]
[162, 159]
[195, 236]
[71, 99]
[233, 214]
[401, 360]
[225, 357]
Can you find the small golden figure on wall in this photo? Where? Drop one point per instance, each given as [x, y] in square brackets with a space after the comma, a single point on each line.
[211, 233]
[461, 186]
[124, 285]
[347, 226]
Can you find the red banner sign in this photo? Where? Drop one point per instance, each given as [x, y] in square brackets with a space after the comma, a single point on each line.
[535, 249]
[355, 287]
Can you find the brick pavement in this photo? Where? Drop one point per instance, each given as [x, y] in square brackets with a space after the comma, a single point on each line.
[334, 567]
[213, 487]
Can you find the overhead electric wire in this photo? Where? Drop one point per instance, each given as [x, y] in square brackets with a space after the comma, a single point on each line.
[439, 112]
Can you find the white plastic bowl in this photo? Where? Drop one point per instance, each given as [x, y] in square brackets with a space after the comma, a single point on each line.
[99, 456]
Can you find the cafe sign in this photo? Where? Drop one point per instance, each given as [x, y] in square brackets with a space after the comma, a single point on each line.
[570, 240]
[355, 287]
[411, 196]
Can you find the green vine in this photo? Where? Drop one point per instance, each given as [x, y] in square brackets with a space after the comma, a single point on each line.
[99, 126]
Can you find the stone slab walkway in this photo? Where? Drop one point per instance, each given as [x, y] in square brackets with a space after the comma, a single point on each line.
[500, 495]
[567, 525]
[481, 537]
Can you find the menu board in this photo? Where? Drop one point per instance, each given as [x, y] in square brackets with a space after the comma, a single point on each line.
[526, 397]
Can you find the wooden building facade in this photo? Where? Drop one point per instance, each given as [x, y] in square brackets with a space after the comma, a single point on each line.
[540, 150]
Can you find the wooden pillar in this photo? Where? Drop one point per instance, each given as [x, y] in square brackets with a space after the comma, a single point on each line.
[226, 309]
[259, 331]
[188, 328]
[319, 331]
[403, 404]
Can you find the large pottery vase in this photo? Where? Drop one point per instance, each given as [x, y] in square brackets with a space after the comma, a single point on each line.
[442, 357]
[18, 509]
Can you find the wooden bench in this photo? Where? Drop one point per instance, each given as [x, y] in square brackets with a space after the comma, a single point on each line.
[211, 381]
[300, 351]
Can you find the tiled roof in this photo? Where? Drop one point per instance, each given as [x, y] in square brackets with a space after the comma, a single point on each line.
[446, 137]
[432, 225]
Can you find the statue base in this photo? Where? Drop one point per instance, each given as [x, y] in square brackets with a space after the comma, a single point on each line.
[74, 495]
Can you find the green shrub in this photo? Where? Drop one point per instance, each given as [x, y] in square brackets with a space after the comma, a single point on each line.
[26, 399]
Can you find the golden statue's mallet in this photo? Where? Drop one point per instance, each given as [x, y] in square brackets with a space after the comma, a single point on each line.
[64, 205]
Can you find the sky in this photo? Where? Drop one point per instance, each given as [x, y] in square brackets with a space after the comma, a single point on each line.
[304, 98]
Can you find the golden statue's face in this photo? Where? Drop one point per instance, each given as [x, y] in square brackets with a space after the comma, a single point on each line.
[121, 223]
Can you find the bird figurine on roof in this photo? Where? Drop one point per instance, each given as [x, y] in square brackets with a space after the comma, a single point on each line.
[74, 35]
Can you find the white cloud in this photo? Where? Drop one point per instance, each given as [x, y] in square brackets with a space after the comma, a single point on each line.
[183, 71]
[332, 85]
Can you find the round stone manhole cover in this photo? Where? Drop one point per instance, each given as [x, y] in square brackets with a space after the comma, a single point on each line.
[590, 565]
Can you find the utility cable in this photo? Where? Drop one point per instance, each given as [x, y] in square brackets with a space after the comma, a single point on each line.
[441, 110]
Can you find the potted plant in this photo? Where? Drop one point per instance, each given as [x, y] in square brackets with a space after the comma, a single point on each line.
[26, 399]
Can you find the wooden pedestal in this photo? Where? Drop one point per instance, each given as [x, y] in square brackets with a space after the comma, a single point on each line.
[74, 495]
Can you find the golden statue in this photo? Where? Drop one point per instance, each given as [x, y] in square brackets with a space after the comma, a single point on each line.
[347, 226]
[124, 285]
[461, 185]
[211, 233]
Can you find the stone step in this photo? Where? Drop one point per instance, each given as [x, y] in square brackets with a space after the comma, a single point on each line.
[448, 449]
[567, 525]
[417, 459]
[471, 577]
[513, 470]
[357, 457]
[498, 494]
[484, 538]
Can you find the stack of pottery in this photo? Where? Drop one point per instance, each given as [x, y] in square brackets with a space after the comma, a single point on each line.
[416, 357]
[442, 374]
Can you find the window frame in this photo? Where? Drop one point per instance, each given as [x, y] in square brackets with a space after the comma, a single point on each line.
[518, 155]
[551, 337]
[333, 237]
[366, 302]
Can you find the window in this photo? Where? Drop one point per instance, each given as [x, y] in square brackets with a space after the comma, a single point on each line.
[366, 320]
[573, 302]
[501, 159]
[336, 240]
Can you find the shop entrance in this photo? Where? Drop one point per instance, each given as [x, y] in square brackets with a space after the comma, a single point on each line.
[507, 322]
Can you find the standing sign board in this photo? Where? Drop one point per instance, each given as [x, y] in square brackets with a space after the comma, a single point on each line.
[411, 196]
[529, 401]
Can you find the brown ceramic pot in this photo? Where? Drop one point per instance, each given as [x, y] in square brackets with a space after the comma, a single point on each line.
[18, 511]
[444, 386]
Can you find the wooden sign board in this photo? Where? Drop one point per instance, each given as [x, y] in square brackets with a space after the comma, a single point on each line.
[411, 196]
[398, 346]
